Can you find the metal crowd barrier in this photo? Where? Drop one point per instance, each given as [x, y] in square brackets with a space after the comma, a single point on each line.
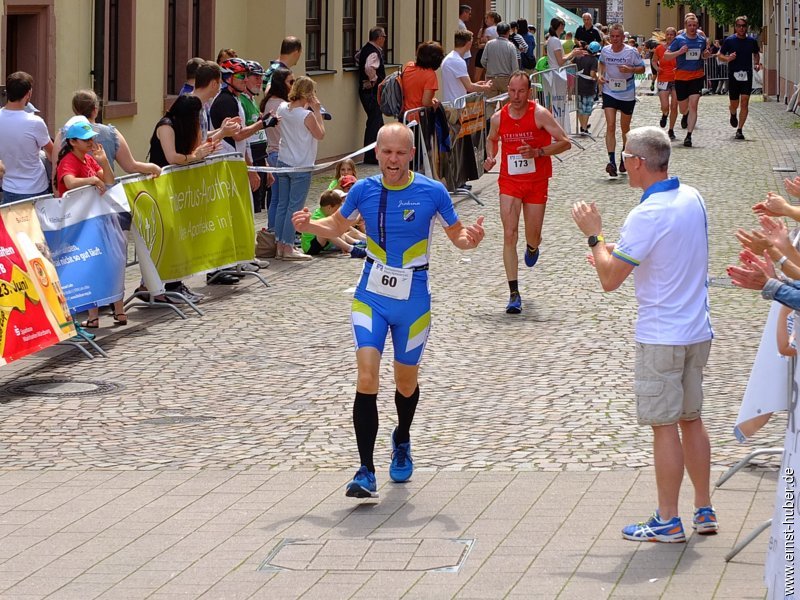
[556, 90]
[716, 75]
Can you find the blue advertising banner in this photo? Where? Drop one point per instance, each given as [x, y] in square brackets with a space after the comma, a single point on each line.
[87, 244]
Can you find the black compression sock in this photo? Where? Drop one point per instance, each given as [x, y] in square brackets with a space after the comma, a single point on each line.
[514, 286]
[406, 407]
[365, 422]
[611, 158]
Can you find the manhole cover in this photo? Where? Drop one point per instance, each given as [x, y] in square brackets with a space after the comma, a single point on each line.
[402, 554]
[61, 387]
[175, 420]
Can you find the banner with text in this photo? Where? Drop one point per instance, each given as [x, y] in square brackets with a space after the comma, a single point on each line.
[87, 243]
[33, 310]
[195, 219]
[779, 568]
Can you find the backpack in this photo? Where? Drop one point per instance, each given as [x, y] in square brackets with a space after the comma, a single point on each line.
[390, 95]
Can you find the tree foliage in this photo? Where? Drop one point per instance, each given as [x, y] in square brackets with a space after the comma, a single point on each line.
[725, 11]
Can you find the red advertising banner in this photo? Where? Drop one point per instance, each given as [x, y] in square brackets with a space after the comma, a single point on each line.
[33, 310]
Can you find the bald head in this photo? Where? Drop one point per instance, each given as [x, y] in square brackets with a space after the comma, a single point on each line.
[394, 133]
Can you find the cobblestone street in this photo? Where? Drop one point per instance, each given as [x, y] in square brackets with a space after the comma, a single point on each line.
[510, 404]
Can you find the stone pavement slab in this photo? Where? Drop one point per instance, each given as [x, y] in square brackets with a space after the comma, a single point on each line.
[473, 534]
[202, 445]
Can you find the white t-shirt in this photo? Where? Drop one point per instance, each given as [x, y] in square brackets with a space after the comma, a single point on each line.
[453, 67]
[463, 27]
[619, 85]
[666, 238]
[298, 148]
[553, 44]
[22, 135]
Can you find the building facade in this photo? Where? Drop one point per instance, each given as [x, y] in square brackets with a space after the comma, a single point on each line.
[780, 41]
[134, 52]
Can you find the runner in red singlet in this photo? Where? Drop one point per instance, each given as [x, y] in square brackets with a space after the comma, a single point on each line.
[530, 136]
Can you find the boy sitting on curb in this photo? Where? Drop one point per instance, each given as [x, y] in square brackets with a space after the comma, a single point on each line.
[348, 243]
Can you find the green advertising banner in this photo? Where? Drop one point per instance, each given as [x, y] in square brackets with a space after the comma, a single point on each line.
[195, 219]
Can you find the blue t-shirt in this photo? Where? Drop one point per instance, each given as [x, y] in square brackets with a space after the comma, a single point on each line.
[684, 62]
[744, 48]
[399, 222]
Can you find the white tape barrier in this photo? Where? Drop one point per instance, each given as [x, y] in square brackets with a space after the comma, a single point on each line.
[315, 168]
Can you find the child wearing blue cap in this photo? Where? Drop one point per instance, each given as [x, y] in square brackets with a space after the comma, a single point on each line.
[82, 162]
[587, 83]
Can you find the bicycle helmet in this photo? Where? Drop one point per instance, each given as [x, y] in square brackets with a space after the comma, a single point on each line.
[235, 65]
[254, 68]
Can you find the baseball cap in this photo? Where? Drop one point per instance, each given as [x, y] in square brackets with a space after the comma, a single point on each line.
[347, 180]
[81, 130]
[594, 47]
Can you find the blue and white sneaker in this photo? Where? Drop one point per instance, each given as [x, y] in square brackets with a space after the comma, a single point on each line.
[531, 257]
[656, 530]
[705, 521]
[363, 485]
[402, 466]
[514, 306]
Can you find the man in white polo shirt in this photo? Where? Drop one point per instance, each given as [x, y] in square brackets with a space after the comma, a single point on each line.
[22, 135]
[665, 238]
[455, 78]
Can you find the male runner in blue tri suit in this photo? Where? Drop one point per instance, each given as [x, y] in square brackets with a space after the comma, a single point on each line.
[399, 208]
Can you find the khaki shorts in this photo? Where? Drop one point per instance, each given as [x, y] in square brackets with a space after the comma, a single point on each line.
[668, 382]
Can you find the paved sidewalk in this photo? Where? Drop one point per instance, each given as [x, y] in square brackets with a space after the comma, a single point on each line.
[207, 457]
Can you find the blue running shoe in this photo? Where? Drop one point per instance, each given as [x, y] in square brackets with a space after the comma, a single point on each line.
[514, 306]
[656, 530]
[705, 521]
[531, 257]
[402, 466]
[363, 485]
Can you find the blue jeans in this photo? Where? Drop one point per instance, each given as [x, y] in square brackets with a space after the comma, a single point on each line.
[292, 191]
[272, 209]
[9, 197]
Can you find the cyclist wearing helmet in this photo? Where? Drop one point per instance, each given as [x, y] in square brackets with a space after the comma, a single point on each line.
[227, 105]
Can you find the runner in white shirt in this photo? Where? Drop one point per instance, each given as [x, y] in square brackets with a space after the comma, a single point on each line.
[455, 77]
[618, 64]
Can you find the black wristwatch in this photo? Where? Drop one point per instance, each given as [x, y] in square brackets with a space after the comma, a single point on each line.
[595, 239]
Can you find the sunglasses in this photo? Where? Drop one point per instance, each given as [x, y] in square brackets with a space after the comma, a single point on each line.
[239, 76]
[741, 24]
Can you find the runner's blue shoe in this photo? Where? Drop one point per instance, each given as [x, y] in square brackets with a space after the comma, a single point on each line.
[363, 485]
[402, 466]
[514, 306]
[656, 530]
[705, 521]
[531, 257]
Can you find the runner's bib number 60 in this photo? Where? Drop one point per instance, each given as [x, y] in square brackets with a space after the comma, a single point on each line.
[389, 281]
[519, 165]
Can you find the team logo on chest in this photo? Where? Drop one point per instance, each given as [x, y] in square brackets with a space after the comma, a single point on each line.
[409, 215]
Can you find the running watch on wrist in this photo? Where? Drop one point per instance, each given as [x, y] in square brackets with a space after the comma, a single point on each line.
[595, 239]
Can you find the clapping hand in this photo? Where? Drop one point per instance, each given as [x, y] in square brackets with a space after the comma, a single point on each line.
[753, 273]
[774, 205]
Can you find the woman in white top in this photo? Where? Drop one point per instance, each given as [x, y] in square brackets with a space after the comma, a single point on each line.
[281, 83]
[555, 51]
[301, 129]
[488, 32]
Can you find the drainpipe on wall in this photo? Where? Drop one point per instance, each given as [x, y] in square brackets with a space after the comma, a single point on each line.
[98, 72]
